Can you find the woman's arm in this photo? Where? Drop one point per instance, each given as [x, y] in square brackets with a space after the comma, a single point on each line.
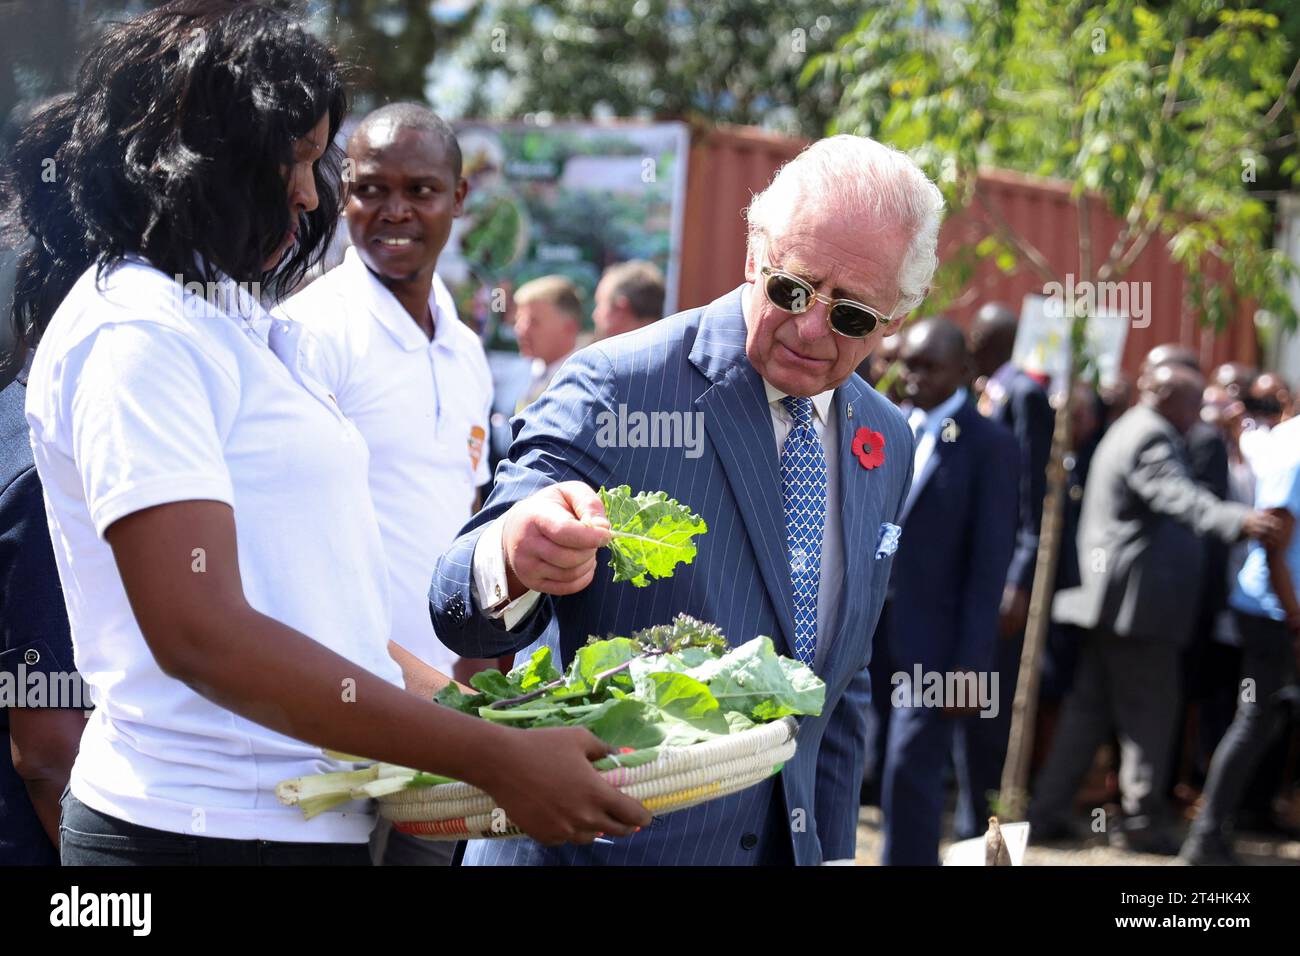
[203, 632]
[43, 743]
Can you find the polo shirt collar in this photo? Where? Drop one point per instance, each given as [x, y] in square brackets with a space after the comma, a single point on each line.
[383, 305]
[228, 298]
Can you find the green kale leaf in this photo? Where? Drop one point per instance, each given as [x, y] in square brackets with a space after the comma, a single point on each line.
[651, 534]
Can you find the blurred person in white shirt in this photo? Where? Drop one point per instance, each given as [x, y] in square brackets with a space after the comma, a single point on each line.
[208, 503]
[387, 342]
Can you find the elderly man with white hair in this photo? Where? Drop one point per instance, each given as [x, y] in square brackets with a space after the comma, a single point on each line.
[801, 478]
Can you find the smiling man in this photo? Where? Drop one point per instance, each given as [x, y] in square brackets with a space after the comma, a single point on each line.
[801, 477]
[387, 342]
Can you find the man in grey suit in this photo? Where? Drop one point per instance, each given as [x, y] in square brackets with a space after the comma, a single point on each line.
[799, 469]
[1140, 563]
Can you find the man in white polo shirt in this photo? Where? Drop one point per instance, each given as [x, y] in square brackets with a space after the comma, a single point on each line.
[387, 342]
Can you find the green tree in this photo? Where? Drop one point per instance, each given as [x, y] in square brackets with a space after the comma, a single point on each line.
[1167, 113]
[391, 44]
[732, 61]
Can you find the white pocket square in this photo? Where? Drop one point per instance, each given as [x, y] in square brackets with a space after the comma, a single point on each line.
[887, 543]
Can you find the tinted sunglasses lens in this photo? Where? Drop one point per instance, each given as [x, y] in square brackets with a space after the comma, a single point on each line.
[852, 321]
[787, 294]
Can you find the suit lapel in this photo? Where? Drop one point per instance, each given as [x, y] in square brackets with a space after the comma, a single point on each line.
[739, 425]
[857, 542]
[939, 455]
[920, 480]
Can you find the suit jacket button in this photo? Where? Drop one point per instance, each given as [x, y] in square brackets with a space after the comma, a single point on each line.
[749, 841]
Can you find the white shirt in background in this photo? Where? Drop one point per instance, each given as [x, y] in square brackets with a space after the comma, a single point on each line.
[927, 427]
[142, 395]
[423, 406]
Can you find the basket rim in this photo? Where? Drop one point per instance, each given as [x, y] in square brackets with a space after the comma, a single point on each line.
[671, 760]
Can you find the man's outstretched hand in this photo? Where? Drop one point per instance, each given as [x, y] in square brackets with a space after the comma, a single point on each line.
[550, 539]
[1262, 527]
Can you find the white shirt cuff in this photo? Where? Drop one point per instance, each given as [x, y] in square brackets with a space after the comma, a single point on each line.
[491, 584]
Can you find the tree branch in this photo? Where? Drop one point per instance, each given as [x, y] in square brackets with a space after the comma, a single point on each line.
[1117, 260]
[1009, 235]
[1085, 235]
[1275, 110]
[1139, 244]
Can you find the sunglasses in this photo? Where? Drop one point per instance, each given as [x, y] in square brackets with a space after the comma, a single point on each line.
[846, 317]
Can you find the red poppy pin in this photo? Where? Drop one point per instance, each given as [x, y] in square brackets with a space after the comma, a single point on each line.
[869, 446]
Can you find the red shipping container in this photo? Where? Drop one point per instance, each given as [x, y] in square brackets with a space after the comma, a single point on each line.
[729, 164]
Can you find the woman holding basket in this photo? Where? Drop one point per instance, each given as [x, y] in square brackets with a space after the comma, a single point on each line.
[208, 503]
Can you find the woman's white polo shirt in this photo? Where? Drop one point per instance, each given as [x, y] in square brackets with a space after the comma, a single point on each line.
[141, 394]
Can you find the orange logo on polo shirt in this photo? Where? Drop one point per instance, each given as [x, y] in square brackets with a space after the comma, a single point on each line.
[476, 436]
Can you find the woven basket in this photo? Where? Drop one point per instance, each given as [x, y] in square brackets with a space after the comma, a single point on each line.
[678, 778]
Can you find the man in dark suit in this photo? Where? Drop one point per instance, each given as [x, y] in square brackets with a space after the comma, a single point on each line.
[1014, 399]
[1140, 561]
[800, 472]
[942, 615]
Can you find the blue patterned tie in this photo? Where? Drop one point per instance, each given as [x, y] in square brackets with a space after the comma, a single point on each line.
[803, 494]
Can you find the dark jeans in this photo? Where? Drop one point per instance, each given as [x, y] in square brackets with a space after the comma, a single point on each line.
[90, 838]
[1269, 661]
[391, 847]
[980, 746]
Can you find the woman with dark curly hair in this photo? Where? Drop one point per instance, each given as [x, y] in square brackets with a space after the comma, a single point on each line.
[208, 503]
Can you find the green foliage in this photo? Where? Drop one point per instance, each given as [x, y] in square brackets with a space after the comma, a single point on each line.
[683, 636]
[671, 685]
[1169, 113]
[652, 534]
[391, 42]
[734, 61]
[674, 684]
[761, 685]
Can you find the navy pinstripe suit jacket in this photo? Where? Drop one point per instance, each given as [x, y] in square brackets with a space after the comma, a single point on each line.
[695, 362]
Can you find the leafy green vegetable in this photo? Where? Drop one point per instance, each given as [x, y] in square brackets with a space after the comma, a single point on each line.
[671, 685]
[626, 722]
[676, 683]
[678, 695]
[685, 634]
[537, 671]
[754, 680]
[452, 696]
[323, 791]
[495, 685]
[652, 534]
[597, 657]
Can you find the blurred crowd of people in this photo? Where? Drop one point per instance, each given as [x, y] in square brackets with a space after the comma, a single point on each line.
[1168, 673]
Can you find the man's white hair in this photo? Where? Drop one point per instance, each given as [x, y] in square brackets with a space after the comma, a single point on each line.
[855, 176]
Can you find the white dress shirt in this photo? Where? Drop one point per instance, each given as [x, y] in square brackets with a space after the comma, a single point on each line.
[423, 406]
[928, 428]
